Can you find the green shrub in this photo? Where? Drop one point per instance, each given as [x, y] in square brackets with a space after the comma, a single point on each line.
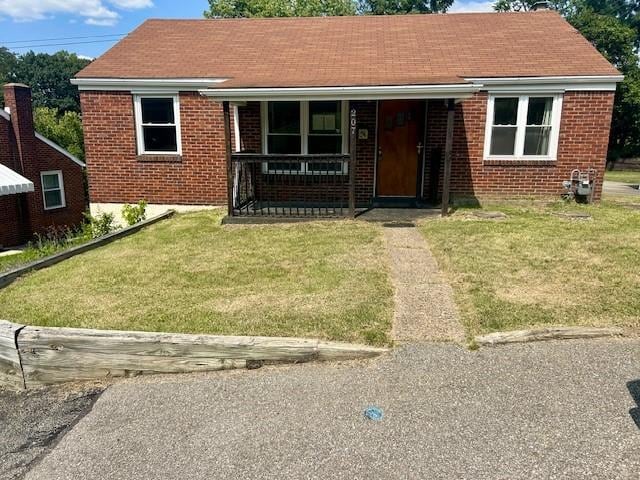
[99, 225]
[133, 214]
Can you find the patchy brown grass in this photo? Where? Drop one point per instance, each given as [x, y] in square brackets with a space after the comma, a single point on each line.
[537, 269]
[190, 274]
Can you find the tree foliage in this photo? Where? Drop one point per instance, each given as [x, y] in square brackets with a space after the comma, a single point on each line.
[316, 8]
[393, 7]
[613, 27]
[48, 76]
[279, 8]
[65, 129]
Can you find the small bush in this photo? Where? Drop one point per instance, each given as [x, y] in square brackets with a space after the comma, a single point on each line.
[99, 225]
[133, 214]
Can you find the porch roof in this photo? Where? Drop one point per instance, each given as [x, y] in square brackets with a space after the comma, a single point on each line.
[12, 182]
[340, 52]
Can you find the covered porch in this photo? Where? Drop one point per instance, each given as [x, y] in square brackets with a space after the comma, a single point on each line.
[336, 153]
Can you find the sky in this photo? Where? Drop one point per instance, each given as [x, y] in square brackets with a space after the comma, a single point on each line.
[90, 27]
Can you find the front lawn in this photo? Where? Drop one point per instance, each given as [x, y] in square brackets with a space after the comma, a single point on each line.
[623, 176]
[190, 274]
[536, 268]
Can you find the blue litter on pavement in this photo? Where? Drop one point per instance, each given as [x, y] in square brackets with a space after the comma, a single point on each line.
[373, 413]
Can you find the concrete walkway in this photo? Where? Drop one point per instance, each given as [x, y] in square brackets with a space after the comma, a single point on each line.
[424, 306]
[561, 410]
[619, 188]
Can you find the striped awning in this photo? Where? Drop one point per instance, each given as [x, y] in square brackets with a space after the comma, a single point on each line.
[12, 182]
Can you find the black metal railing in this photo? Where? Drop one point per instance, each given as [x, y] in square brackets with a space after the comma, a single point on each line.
[291, 185]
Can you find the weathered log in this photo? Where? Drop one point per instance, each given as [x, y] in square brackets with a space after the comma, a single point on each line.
[10, 368]
[54, 355]
[550, 333]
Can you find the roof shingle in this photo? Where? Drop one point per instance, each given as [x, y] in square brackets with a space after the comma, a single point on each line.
[353, 51]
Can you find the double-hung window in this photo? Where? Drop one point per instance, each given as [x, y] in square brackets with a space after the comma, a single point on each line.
[52, 189]
[305, 128]
[158, 124]
[524, 127]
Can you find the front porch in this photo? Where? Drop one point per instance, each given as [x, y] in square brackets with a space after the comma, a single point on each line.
[380, 160]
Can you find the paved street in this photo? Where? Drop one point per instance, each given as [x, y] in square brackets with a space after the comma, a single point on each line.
[543, 410]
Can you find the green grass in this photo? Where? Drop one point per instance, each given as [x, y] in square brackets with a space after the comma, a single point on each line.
[12, 261]
[536, 269]
[624, 176]
[190, 274]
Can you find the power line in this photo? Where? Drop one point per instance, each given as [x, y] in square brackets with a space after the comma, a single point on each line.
[61, 38]
[62, 44]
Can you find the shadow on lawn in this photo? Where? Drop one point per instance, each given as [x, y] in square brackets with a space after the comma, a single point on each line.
[634, 390]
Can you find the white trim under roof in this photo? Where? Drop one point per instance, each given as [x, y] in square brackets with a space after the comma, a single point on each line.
[146, 85]
[459, 90]
[553, 84]
[542, 84]
[13, 183]
[57, 147]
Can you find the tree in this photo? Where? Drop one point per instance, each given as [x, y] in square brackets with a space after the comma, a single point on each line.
[48, 76]
[65, 129]
[613, 27]
[279, 8]
[393, 7]
[7, 65]
[526, 5]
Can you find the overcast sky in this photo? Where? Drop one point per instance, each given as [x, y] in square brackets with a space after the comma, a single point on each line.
[48, 25]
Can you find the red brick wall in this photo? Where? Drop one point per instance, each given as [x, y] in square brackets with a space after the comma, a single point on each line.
[584, 138]
[117, 174]
[21, 216]
[11, 228]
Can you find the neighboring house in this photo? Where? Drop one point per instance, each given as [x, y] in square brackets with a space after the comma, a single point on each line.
[336, 112]
[41, 184]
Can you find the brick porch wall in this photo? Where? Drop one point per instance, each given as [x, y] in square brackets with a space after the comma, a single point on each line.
[315, 187]
[584, 138]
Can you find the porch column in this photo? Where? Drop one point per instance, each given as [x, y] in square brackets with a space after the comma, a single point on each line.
[352, 162]
[227, 147]
[448, 149]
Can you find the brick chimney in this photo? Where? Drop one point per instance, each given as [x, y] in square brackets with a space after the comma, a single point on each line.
[17, 98]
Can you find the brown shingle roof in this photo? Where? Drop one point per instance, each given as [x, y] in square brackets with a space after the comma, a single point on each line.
[363, 50]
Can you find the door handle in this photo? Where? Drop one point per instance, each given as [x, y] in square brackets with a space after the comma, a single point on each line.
[379, 152]
[420, 147]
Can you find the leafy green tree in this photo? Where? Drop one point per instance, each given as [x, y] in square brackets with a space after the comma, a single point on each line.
[392, 7]
[65, 129]
[279, 8]
[525, 5]
[7, 65]
[613, 27]
[48, 76]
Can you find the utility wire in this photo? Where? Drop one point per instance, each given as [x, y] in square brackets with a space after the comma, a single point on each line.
[62, 44]
[61, 38]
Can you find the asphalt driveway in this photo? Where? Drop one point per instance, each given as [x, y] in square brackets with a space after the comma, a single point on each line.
[543, 410]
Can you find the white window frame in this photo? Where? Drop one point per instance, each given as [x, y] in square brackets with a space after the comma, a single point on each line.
[137, 100]
[304, 136]
[60, 187]
[521, 124]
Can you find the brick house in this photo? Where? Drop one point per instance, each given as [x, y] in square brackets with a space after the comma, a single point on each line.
[299, 116]
[41, 184]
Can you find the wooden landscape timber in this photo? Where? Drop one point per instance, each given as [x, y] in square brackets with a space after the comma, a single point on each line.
[551, 333]
[10, 369]
[54, 355]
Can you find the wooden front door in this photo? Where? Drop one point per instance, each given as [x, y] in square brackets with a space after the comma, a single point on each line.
[400, 132]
